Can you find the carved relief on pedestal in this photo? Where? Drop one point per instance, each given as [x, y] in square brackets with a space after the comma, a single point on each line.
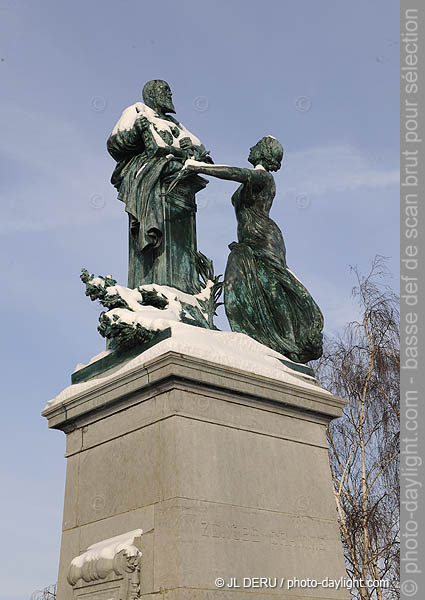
[108, 570]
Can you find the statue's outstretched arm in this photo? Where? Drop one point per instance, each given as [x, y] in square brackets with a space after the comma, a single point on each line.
[193, 167]
[221, 172]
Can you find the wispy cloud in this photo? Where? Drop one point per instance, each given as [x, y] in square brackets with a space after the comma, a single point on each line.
[59, 177]
[336, 168]
[53, 175]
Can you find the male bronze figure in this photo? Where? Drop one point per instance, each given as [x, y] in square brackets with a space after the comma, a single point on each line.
[150, 147]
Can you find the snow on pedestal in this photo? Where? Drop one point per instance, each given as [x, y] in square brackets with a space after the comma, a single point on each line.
[110, 567]
[235, 350]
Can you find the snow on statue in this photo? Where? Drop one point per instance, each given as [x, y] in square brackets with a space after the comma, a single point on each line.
[150, 146]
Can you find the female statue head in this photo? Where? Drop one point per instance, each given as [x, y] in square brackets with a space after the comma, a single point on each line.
[268, 152]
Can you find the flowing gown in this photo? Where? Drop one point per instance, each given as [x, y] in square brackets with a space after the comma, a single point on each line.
[262, 297]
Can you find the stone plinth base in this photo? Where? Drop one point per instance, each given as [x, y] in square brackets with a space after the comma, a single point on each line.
[225, 472]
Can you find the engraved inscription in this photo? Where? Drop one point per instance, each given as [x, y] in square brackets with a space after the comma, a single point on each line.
[201, 522]
[243, 533]
[229, 531]
[299, 542]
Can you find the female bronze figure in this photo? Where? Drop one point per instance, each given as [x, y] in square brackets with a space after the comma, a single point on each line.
[262, 297]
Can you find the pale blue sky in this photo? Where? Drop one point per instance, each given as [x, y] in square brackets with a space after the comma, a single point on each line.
[67, 71]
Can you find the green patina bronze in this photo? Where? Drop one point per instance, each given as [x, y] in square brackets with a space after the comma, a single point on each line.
[150, 147]
[262, 297]
[115, 358]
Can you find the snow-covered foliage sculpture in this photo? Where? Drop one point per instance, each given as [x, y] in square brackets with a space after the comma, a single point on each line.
[136, 316]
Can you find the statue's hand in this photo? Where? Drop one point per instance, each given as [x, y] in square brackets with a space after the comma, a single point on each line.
[142, 123]
[186, 143]
[187, 147]
[202, 154]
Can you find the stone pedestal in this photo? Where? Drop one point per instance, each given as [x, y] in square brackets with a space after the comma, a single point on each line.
[226, 473]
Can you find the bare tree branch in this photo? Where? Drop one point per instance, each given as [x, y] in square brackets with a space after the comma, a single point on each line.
[362, 365]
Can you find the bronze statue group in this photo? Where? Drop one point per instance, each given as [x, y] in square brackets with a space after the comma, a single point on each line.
[262, 297]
